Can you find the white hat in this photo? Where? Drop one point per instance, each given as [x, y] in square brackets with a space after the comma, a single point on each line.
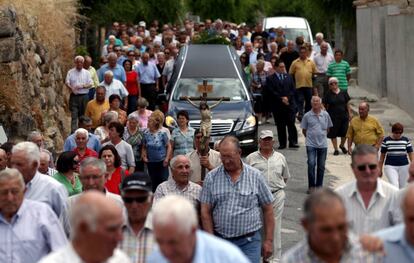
[266, 134]
[142, 23]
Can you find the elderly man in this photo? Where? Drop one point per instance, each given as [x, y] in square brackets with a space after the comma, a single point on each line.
[87, 64]
[38, 139]
[198, 162]
[399, 240]
[117, 70]
[289, 55]
[93, 140]
[315, 126]
[39, 187]
[322, 59]
[78, 80]
[274, 168]
[327, 236]
[138, 239]
[148, 79]
[248, 47]
[44, 164]
[97, 107]
[175, 230]
[97, 223]
[29, 229]
[179, 183]
[3, 160]
[370, 201]
[234, 199]
[364, 129]
[317, 47]
[114, 86]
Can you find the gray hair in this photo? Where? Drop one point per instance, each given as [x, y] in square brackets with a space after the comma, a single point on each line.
[12, 174]
[110, 116]
[82, 131]
[362, 149]
[316, 98]
[273, 44]
[321, 197]
[32, 135]
[79, 58]
[92, 161]
[332, 79]
[319, 34]
[177, 210]
[175, 158]
[109, 73]
[83, 212]
[44, 155]
[30, 149]
[142, 102]
[231, 139]
[112, 55]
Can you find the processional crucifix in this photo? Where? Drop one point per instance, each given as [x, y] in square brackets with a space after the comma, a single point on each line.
[205, 114]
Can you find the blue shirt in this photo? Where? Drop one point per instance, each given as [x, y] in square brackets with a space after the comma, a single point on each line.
[316, 126]
[120, 60]
[118, 71]
[46, 189]
[236, 205]
[396, 246]
[93, 143]
[208, 248]
[148, 74]
[183, 142]
[33, 232]
[156, 145]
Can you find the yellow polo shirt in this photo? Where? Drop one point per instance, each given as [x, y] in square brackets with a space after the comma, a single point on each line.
[365, 131]
[94, 111]
[303, 70]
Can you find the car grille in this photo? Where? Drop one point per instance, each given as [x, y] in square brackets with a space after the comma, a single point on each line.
[219, 126]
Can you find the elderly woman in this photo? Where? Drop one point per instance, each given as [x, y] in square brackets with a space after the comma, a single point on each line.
[115, 105]
[103, 131]
[66, 166]
[142, 112]
[133, 136]
[116, 174]
[257, 85]
[337, 105]
[156, 149]
[81, 140]
[182, 137]
[396, 150]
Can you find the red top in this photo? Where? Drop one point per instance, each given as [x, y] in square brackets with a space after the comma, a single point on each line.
[88, 153]
[131, 82]
[112, 185]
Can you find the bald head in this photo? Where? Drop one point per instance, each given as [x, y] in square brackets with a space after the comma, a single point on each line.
[44, 162]
[3, 159]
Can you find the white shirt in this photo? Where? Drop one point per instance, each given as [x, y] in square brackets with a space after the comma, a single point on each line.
[78, 78]
[274, 169]
[116, 87]
[69, 255]
[195, 170]
[322, 62]
[382, 211]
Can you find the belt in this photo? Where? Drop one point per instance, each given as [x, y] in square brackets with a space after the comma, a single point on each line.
[236, 238]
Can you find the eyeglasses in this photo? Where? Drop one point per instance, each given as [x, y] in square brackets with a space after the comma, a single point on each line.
[139, 200]
[363, 167]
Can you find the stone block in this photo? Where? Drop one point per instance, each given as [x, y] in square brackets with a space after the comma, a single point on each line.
[7, 22]
[7, 49]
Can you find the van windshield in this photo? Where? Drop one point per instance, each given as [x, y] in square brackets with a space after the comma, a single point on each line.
[222, 87]
[292, 33]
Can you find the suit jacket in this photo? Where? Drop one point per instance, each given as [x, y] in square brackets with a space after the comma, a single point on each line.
[276, 89]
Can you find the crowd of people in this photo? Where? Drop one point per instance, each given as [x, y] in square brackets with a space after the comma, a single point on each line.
[128, 189]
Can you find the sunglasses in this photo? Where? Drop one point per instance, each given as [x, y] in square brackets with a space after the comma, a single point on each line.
[363, 167]
[139, 200]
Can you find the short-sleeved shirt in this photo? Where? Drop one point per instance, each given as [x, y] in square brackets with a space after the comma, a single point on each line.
[94, 111]
[183, 141]
[124, 150]
[79, 78]
[365, 131]
[195, 170]
[143, 119]
[148, 73]
[72, 189]
[302, 71]
[340, 71]
[191, 192]
[116, 87]
[322, 61]
[156, 145]
[118, 71]
[316, 126]
[337, 104]
[396, 150]
[236, 206]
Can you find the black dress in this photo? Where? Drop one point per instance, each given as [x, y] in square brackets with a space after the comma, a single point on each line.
[337, 107]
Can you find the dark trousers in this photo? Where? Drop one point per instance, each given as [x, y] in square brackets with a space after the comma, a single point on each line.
[303, 95]
[316, 161]
[158, 173]
[132, 103]
[77, 107]
[148, 91]
[91, 93]
[285, 118]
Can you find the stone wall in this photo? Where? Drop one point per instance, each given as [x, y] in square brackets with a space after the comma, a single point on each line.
[32, 91]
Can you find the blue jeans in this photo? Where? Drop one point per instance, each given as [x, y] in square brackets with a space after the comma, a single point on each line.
[250, 246]
[316, 160]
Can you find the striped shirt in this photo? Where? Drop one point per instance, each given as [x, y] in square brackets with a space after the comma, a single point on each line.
[353, 253]
[191, 192]
[396, 150]
[340, 71]
[236, 205]
[383, 210]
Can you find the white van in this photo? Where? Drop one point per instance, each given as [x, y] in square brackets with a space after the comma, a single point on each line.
[292, 26]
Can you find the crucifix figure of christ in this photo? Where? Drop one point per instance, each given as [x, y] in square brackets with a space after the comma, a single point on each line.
[205, 114]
